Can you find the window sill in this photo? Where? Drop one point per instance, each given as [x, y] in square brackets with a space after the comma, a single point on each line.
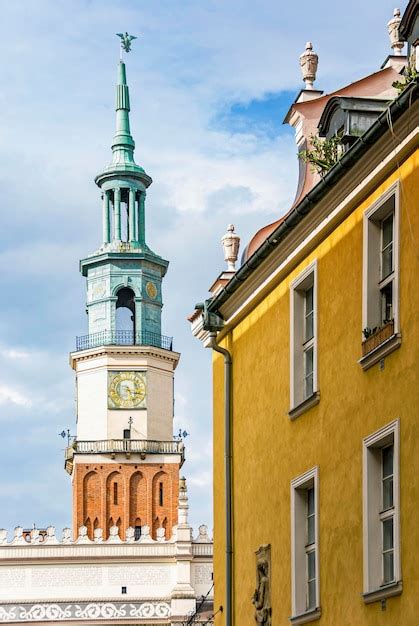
[308, 616]
[304, 406]
[381, 351]
[382, 593]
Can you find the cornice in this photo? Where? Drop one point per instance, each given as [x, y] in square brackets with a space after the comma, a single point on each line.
[137, 350]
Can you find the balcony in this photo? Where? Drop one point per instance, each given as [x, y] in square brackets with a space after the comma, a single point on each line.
[123, 338]
[113, 447]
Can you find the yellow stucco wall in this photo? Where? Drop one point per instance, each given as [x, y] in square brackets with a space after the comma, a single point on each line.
[270, 450]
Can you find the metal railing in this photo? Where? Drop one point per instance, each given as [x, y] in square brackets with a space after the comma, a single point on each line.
[124, 446]
[123, 338]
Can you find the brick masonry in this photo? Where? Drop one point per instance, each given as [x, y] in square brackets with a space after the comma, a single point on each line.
[125, 494]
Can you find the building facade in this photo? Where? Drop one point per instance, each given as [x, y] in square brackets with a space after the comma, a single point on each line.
[316, 387]
[131, 557]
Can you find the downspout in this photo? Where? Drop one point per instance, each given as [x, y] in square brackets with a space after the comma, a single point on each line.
[228, 473]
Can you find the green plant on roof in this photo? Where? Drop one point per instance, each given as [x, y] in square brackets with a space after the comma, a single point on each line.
[410, 74]
[323, 154]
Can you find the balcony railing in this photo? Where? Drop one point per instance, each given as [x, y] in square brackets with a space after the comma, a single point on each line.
[124, 446]
[123, 338]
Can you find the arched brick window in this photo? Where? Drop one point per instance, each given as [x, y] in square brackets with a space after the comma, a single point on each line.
[114, 499]
[137, 499]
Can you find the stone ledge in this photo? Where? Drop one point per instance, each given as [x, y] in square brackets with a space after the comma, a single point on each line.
[304, 406]
[381, 351]
[387, 591]
[307, 616]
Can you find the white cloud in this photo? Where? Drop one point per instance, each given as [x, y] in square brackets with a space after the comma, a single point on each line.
[13, 396]
[14, 353]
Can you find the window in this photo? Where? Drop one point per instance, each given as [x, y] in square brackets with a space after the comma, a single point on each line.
[381, 277]
[387, 513]
[387, 269]
[381, 513]
[137, 533]
[308, 344]
[304, 548]
[161, 494]
[115, 493]
[310, 549]
[303, 341]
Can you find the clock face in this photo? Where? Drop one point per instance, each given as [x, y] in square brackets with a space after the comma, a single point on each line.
[127, 390]
[151, 290]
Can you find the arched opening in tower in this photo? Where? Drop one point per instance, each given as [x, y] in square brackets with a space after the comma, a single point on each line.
[125, 310]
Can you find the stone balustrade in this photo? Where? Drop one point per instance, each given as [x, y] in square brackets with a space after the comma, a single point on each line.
[49, 537]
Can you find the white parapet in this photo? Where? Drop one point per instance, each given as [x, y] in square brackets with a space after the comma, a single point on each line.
[47, 579]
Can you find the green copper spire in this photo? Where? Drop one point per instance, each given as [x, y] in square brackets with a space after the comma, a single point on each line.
[123, 143]
[124, 272]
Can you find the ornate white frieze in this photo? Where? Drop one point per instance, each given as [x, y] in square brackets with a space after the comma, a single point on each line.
[70, 611]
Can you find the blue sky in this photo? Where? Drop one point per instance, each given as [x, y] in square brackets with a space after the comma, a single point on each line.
[210, 83]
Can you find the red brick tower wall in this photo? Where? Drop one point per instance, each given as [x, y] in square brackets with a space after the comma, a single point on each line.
[125, 495]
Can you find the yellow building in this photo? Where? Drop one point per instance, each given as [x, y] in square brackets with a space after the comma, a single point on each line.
[317, 389]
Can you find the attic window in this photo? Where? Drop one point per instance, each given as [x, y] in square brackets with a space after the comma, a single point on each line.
[349, 118]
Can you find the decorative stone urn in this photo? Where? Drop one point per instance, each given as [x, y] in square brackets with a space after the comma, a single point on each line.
[231, 245]
[309, 61]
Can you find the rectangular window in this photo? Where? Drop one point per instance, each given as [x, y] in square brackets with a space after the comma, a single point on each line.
[304, 547]
[161, 494]
[311, 549]
[115, 493]
[303, 337]
[381, 512]
[380, 314]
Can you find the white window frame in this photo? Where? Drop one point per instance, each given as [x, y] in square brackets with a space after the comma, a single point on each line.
[373, 515]
[299, 575]
[298, 402]
[372, 283]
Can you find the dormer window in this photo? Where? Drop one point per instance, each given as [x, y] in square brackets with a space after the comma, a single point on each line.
[349, 118]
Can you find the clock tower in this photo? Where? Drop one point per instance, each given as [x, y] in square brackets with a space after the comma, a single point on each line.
[124, 462]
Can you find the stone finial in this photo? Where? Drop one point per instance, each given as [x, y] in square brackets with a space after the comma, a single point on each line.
[98, 535]
[130, 535]
[183, 502]
[160, 534]
[50, 536]
[18, 536]
[309, 61]
[3, 536]
[203, 536]
[145, 534]
[66, 535]
[83, 537]
[231, 244]
[393, 28]
[35, 536]
[114, 535]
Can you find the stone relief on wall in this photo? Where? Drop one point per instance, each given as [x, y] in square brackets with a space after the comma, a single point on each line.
[262, 597]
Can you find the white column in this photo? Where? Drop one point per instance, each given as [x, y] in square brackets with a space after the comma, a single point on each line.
[117, 212]
[105, 217]
[131, 213]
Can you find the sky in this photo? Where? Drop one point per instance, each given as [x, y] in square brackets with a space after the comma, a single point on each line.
[210, 83]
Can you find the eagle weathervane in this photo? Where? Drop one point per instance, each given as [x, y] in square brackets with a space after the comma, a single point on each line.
[126, 41]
